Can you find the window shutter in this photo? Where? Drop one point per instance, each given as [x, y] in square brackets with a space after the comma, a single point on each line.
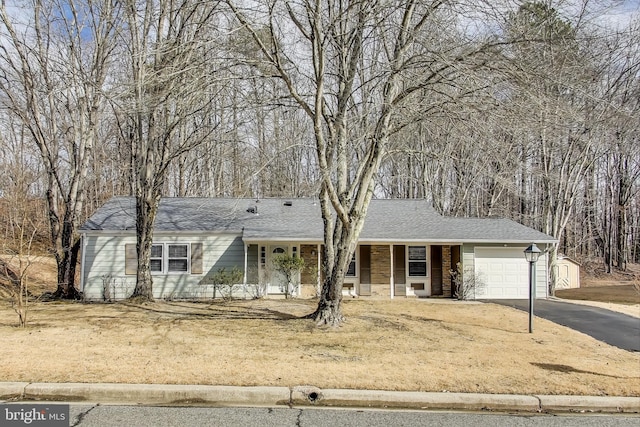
[365, 270]
[130, 258]
[196, 258]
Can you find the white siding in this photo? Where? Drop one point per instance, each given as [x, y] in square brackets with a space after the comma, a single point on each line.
[504, 271]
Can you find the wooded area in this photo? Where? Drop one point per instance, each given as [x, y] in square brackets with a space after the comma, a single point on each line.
[524, 110]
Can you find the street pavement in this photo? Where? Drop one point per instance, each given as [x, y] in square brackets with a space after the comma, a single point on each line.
[617, 329]
[117, 416]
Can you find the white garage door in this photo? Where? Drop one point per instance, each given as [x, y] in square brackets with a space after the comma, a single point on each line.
[504, 273]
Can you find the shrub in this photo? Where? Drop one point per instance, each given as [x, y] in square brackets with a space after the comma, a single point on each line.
[290, 267]
[226, 281]
[467, 283]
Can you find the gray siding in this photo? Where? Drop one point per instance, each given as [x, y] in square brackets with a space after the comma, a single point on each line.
[104, 258]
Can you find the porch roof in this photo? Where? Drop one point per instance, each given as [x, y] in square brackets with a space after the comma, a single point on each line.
[396, 220]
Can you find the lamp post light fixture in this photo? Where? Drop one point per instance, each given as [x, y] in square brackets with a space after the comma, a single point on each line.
[532, 253]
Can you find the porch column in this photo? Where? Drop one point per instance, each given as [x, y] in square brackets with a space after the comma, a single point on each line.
[246, 264]
[391, 280]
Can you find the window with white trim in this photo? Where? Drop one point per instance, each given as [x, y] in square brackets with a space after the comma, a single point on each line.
[417, 261]
[351, 270]
[170, 258]
[177, 258]
[157, 257]
[167, 258]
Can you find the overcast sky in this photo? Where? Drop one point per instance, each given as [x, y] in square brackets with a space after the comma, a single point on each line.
[622, 12]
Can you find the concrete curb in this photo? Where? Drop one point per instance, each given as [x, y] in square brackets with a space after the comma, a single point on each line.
[171, 394]
[413, 400]
[589, 403]
[10, 391]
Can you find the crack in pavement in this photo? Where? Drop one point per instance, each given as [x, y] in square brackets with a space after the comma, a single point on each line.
[83, 414]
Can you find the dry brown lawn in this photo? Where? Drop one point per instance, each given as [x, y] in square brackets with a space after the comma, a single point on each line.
[413, 345]
[41, 274]
[618, 294]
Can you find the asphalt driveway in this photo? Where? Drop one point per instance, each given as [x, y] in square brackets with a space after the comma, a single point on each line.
[614, 328]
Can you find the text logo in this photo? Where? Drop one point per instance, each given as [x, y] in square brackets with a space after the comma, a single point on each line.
[34, 415]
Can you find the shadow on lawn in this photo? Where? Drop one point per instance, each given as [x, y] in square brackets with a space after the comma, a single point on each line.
[213, 311]
[571, 370]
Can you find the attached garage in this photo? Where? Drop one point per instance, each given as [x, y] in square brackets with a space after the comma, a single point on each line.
[504, 273]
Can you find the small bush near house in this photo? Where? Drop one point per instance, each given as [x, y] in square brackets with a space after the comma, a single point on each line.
[467, 283]
[226, 282]
[290, 267]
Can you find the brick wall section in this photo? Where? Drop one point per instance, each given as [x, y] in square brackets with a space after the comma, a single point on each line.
[380, 265]
[446, 266]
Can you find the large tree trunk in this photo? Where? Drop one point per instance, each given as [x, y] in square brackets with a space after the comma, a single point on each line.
[146, 210]
[624, 189]
[67, 264]
[329, 310]
[65, 242]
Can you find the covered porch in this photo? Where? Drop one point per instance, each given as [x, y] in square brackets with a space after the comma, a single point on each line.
[389, 270]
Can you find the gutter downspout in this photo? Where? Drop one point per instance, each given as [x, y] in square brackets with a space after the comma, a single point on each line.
[391, 279]
[244, 275]
[319, 271]
[246, 264]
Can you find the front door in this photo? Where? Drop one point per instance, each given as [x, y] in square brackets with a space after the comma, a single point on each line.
[277, 281]
[399, 270]
[436, 270]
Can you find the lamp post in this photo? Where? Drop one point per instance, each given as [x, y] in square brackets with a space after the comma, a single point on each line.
[531, 254]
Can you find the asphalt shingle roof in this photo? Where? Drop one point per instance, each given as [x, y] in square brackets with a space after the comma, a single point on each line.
[387, 220]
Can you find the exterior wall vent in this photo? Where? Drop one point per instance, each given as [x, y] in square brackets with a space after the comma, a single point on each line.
[288, 203]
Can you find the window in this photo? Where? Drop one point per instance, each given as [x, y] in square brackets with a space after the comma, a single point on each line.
[178, 259]
[351, 271]
[418, 261]
[167, 258]
[156, 258]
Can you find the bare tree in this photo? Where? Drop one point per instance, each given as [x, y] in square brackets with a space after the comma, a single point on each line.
[622, 169]
[54, 66]
[22, 222]
[164, 110]
[358, 69]
[554, 147]
[553, 74]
